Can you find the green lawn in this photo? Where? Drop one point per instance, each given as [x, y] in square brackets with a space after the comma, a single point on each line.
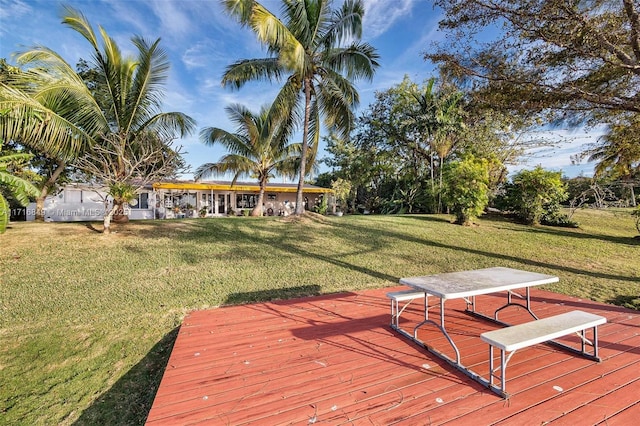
[88, 322]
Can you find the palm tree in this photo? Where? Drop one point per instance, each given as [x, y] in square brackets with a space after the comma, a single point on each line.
[307, 47]
[19, 188]
[257, 149]
[618, 153]
[51, 109]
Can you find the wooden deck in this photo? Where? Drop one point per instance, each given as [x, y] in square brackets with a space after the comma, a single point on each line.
[334, 360]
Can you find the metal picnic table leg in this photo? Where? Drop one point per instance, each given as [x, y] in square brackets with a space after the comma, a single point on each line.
[442, 328]
[510, 302]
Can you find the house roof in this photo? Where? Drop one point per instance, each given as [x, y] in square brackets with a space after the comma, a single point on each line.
[238, 186]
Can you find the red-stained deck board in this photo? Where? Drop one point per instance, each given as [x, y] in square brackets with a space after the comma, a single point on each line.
[333, 359]
[543, 386]
[595, 408]
[626, 417]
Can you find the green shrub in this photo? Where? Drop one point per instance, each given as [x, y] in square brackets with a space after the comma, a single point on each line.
[557, 218]
[534, 194]
[466, 190]
[323, 206]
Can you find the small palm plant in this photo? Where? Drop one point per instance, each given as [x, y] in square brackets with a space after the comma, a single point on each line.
[258, 149]
[19, 188]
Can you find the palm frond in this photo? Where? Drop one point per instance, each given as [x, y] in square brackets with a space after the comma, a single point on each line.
[77, 21]
[24, 119]
[239, 9]
[346, 23]
[240, 72]
[51, 81]
[301, 18]
[17, 158]
[234, 143]
[170, 125]
[355, 61]
[245, 121]
[20, 188]
[206, 170]
[273, 32]
[286, 109]
[335, 106]
[4, 214]
[146, 90]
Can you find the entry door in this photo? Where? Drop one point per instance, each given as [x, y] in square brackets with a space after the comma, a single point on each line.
[221, 204]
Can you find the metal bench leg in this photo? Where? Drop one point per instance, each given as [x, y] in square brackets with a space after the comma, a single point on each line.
[490, 366]
[503, 368]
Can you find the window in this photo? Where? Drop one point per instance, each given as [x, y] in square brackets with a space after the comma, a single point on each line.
[246, 201]
[271, 197]
[141, 201]
[72, 196]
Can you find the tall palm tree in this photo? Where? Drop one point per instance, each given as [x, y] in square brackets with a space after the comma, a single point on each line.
[51, 109]
[19, 188]
[257, 149]
[308, 46]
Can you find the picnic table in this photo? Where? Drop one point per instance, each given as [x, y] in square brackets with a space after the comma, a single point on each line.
[467, 285]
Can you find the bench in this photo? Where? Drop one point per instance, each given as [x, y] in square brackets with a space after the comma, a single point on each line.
[510, 339]
[402, 296]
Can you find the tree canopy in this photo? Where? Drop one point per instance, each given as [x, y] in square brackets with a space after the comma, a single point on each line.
[575, 58]
[115, 100]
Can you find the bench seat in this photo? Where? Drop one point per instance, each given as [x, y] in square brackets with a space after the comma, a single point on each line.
[520, 336]
[402, 296]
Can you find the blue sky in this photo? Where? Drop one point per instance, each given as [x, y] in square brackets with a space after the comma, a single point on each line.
[201, 41]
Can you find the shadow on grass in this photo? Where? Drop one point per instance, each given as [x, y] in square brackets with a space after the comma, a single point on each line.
[499, 256]
[129, 400]
[560, 231]
[243, 234]
[631, 302]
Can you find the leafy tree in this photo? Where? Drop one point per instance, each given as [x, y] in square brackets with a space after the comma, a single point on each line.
[435, 116]
[21, 189]
[576, 58]
[409, 131]
[259, 148]
[532, 194]
[342, 190]
[358, 161]
[466, 190]
[50, 107]
[308, 47]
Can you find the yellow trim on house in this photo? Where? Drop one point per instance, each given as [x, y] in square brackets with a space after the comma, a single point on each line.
[202, 186]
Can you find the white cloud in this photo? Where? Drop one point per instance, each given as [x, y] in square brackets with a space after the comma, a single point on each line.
[380, 15]
[13, 9]
[203, 54]
[172, 18]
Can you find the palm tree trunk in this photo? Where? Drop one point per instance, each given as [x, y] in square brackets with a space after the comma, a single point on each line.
[440, 187]
[106, 222]
[433, 180]
[46, 188]
[303, 154]
[257, 210]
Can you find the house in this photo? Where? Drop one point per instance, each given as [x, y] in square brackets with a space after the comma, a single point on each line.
[179, 199]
